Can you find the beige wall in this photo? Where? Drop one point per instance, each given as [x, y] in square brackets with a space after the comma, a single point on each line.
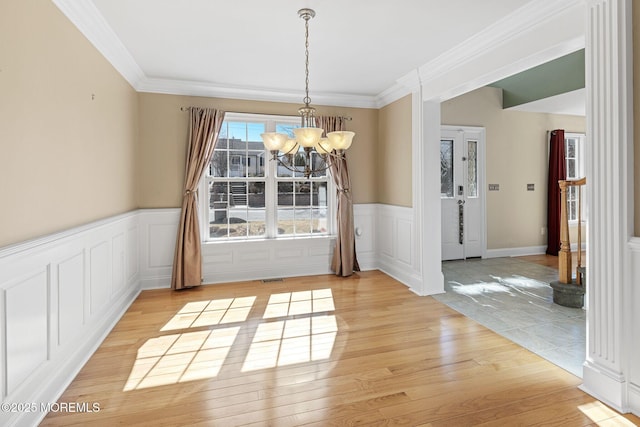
[516, 155]
[65, 158]
[394, 153]
[163, 138]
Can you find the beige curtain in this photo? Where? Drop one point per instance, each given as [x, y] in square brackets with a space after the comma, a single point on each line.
[204, 127]
[344, 261]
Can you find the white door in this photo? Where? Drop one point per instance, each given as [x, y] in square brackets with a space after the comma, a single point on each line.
[461, 192]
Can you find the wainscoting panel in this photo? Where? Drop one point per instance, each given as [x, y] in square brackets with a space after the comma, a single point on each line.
[132, 258]
[158, 231]
[290, 253]
[386, 226]
[118, 263]
[396, 257]
[69, 305]
[99, 267]
[237, 261]
[60, 296]
[256, 260]
[364, 219]
[26, 327]
[405, 235]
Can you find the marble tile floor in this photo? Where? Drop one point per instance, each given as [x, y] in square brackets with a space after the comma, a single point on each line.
[513, 298]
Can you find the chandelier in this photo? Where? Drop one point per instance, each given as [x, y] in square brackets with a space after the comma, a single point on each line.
[285, 149]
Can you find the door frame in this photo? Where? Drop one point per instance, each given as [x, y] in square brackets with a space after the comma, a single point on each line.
[481, 176]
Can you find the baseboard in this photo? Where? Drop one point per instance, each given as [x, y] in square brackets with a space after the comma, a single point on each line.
[403, 274]
[511, 252]
[634, 399]
[157, 282]
[608, 387]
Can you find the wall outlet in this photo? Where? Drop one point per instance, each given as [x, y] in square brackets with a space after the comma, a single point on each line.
[494, 187]
[531, 187]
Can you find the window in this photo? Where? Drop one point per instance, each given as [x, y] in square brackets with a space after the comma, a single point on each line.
[446, 169]
[251, 197]
[574, 156]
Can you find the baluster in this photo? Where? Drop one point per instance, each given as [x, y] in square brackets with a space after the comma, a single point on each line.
[564, 257]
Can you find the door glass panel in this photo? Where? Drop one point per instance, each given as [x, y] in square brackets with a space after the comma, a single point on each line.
[472, 171]
[446, 168]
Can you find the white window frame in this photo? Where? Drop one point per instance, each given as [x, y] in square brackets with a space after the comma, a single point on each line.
[271, 179]
[580, 171]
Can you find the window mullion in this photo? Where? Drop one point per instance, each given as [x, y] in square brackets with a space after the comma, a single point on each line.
[271, 190]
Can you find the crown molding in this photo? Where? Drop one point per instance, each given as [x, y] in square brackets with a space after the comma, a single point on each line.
[392, 94]
[405, 85]
[87, 18]
[195, 88]
[480, 80]
[523, 20]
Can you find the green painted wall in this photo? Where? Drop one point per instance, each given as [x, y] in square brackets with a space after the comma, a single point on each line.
[559, 76]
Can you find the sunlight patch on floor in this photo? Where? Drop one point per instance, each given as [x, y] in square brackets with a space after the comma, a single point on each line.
[481, 288]
[297, 328]
[209, 313]
[602, 415]
[308, 337]
[521, 282]
[176, 358]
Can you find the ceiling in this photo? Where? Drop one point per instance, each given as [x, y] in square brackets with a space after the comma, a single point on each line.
[254, 49]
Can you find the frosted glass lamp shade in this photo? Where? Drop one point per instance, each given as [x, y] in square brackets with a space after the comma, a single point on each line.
[289, 146]
[308, 137]
[274, 141]
[324, 146]
[340, 140]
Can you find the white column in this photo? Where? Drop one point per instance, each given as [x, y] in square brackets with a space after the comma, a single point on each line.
[610, 193]
[425, 164]
[429, 195]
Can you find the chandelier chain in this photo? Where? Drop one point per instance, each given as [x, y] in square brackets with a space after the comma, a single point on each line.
[318, 152]
[306, 99]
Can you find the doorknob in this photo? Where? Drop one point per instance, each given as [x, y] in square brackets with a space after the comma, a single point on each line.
[461, 202]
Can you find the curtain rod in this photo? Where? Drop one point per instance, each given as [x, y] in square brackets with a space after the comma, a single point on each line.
[568, 131]
[260, 114]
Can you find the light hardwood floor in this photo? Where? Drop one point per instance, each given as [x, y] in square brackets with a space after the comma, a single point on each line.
[552, 261]
[318, 351]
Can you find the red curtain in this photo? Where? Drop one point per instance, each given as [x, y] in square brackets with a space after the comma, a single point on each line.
[557, 172]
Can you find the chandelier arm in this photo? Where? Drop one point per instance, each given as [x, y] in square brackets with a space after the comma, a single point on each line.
[307, 171]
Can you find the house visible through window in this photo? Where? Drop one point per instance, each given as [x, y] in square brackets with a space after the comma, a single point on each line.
[252, 197]
[574, 155]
